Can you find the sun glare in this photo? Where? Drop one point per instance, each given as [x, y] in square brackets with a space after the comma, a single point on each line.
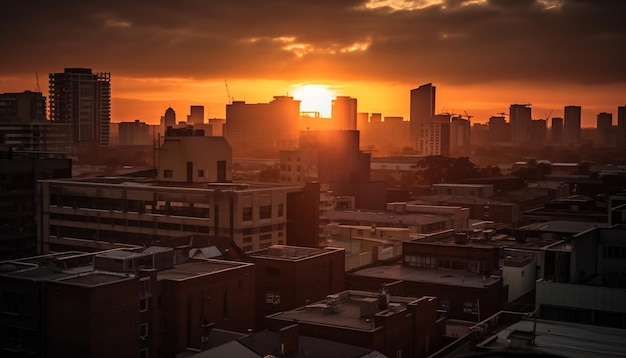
[314, 98]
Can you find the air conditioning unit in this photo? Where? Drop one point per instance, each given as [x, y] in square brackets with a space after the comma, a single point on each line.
[394, 307]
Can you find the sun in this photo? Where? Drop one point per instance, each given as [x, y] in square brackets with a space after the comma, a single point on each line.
[315, 98]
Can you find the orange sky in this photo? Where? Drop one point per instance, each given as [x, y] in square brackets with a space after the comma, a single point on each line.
[482, 55]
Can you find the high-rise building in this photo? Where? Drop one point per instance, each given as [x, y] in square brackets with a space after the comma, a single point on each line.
[556, 130]
[571, 125]
[538, 131]
[135, 133]
[604, 130]
[168, 120]
[520, 116]
[262, 129]
[422, 110]
[344, 111]
[24, 107]
[459, 133]
[82, 98]
[499, 130]
[436, 136]
[196, 115]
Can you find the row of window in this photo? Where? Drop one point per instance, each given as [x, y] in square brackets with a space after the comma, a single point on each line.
[157, 225]
[614, 252]
[432, 262]
[265, 212]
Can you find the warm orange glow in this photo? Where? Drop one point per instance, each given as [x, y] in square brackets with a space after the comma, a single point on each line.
[315, 98]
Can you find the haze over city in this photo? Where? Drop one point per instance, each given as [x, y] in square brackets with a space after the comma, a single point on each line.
[483, 55]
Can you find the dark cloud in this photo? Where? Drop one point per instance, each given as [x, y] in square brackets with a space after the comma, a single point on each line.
[457, 41]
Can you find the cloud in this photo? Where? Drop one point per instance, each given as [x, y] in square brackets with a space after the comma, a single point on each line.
[453, 41]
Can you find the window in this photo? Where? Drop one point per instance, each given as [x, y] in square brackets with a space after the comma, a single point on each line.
[143, 305]
[168, 173]
[143, 330]
[280, 210]
[247, 214]
[265, 212]
[200, 173]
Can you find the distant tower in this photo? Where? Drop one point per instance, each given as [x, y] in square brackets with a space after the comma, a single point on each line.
[621, 119]
[571, 125]
[556, 130]
[82, 98]
[422, 110]
[499, 129]
[196, 115]
[521, 117]
[604, 130]
[344, 113]
[169, 119]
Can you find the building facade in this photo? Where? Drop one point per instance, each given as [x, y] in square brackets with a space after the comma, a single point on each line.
[571, 125]
[422, 109]
[24, 107]
[344, 113]
[83, 99]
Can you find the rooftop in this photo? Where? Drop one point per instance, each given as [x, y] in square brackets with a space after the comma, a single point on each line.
[291, 253]
[196, 268]
[94, 278]
[448, 277]
[345, 310]
[387, 217]
[563, 226]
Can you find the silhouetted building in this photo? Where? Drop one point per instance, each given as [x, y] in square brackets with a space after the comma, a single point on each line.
[621, 127]
[19, 172]
[168, 120]
[135, 133]
[24, 107]
[422, 111]
[262, 129]
[571, 125]
[521, 118]
[459, 134]
[436, 136]
[82, 98]
[499, 129]
[556, 130]
[538, 131]
[344, 111]
[605, 133]
[196, 115]
[36, 136]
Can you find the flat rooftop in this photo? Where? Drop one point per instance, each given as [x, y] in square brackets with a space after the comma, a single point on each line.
[433, 276]
[196, 268]
[568, 339]
[94, 278]
[496, 240]
[292, 253]
[405, 219]
[345, 312]
[563, 226]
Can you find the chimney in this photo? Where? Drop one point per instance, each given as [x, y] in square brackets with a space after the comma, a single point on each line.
[288, 339]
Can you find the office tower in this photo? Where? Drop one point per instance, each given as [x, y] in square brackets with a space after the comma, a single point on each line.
[604, 130]
[556, 130]
[135, 133]
[571, 125]
[262, 129]
[520, 117]
[24, 107]
[362, 120]
[82, 98]
[168, 119]
[621, 118]
[459, 133]
[499, 130]
[196, 115]
[422, 110]
[344, 113]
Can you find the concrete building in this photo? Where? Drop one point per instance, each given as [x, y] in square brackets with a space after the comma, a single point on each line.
[139, 302]
[521, 118]
[19, 173]
[24, 107]
[571, 125]
[135, 133]
[422, 110]
[435, 138]
[36, 136]
[288, 277]
[262, 129]
[393, 325]
[538, 131]
[499, 129]
[459, 134]
[344, 110]
[476, 190]
[83, 99]
[190, 195]
[605, 132]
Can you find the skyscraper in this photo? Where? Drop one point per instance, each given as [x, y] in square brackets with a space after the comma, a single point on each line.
[556, 130]
[604, 130]
[168, 119]
[621, 118]
[344, 113]
[196, 115]
[82, 98]
[571, 125]
[520, 116]
[422, 110]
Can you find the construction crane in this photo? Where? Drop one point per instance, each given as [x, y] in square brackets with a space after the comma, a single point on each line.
[502, 114]
[37, 88]
[548, 115]
[230, 99]
[468, 116]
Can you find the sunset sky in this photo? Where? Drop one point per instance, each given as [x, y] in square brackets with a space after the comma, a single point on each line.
[482, 55]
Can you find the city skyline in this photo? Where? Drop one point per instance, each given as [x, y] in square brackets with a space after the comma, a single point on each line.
[483, 55]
